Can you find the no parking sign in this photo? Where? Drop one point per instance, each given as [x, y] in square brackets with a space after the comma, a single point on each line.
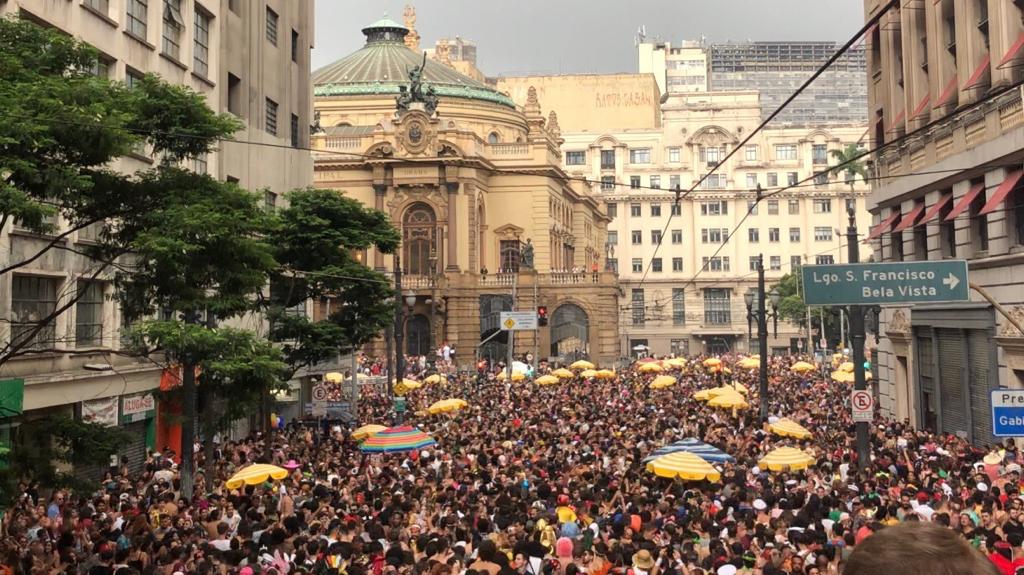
[862, 404]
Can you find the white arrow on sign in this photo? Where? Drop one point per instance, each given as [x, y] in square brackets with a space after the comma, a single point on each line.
[951, 281]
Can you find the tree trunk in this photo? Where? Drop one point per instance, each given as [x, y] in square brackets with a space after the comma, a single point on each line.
[188, 428]
[209, 430]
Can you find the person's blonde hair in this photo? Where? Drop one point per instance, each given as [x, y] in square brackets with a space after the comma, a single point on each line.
[917, 548]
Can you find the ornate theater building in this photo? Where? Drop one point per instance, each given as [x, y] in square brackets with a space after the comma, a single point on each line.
[489, 220]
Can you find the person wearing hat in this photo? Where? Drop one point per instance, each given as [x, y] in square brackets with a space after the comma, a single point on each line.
[643, 563]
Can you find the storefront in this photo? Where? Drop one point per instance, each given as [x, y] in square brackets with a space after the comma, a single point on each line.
[138, 418]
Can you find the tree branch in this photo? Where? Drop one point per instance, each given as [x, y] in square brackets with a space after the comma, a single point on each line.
[56, 239]
[13, 347]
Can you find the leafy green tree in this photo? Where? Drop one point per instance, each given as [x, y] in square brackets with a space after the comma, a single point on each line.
[315, 239]
[793, 309]
[849, 164]
[61, 127]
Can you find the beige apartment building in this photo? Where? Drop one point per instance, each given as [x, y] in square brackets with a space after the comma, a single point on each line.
[946, 74]
[247, 57]
[677, 294]
[474, 183]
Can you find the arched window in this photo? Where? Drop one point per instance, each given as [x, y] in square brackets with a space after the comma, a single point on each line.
[493, 138]
[419, 238]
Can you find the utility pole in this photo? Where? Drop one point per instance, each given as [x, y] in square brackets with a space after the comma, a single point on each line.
[536, 332]
[511, 333]
[762, 338]
[399, 330]
[857, 342]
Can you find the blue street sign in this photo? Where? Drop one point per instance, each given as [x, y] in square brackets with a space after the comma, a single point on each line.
[1007, 412]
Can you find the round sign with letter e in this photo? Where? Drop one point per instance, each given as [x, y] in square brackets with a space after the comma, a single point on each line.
[862, 404]
[320, 392]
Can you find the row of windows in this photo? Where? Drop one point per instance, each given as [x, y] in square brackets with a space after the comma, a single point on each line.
[720, 235]
[711, 181]
[721, 207]
[137, 12]
[719, 263]
[710, 155]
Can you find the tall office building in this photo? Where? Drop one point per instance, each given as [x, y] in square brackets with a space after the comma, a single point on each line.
[774, 69]
[951, 191]
[246, 57]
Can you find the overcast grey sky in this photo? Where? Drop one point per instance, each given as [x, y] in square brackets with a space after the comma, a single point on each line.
[576, 36]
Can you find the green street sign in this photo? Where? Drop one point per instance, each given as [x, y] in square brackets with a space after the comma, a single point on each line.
[399, 404]
[895, 282]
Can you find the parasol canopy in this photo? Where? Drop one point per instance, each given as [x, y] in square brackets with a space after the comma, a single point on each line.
[731, 400]
[842, 376]
[683, 465]
[650, 368]
[748, 363]
[605, 374]
[676, 362]
[394, 439]
[693, 445]
[334, 377]
[435, 378]
[546, 380]
[516, 376]
[663, 381]
[446, 406]
[588, 373]
[255, 474]
[846, 366]
[786, 459]
[802, 367]
[367, 430]
[582, 364]
[562, 373]
[712, 362]
[788, 428]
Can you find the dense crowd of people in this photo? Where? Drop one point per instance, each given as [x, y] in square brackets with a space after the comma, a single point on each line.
[550, 480]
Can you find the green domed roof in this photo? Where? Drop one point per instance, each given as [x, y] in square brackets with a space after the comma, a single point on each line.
[383, 64]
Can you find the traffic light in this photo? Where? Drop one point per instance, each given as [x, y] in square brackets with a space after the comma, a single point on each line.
[542, 315]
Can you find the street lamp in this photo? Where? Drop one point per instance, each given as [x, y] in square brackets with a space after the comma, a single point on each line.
[761, 315]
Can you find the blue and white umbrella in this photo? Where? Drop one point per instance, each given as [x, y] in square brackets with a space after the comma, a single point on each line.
[695, 446]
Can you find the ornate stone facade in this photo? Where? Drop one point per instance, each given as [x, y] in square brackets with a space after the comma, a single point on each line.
[468, 184]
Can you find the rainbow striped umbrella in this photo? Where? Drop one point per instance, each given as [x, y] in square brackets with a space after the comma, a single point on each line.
[393, 439]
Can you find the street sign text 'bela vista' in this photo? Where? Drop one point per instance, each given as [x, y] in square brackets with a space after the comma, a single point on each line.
[893, 282]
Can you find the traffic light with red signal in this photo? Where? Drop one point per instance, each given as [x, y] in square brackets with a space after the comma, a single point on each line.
[542, 315]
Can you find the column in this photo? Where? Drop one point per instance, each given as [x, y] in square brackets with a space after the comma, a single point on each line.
[378, 204]
[453, 227]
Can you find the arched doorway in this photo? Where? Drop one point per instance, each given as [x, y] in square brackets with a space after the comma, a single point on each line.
[419, 240]
[570, 332]
[418, 335]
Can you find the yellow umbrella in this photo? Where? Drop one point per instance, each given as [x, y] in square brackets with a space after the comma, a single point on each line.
[334, 377]
[663, 381]
[650, 368]
[683, 465]
[749, 363]
[367, 430]
[546, 380]
[605, 374]
[582, 364]
[842, 376]
[789, 428]
[729, 401]
[562, 373]
[588, 373]
[676, 362]
[712, 362]
[702, 395]
[435, 378]
[516, 376]
[740, 388]
[256, 474]
[802, 367]
[446, 406]
[786, 459]
[846, 366]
